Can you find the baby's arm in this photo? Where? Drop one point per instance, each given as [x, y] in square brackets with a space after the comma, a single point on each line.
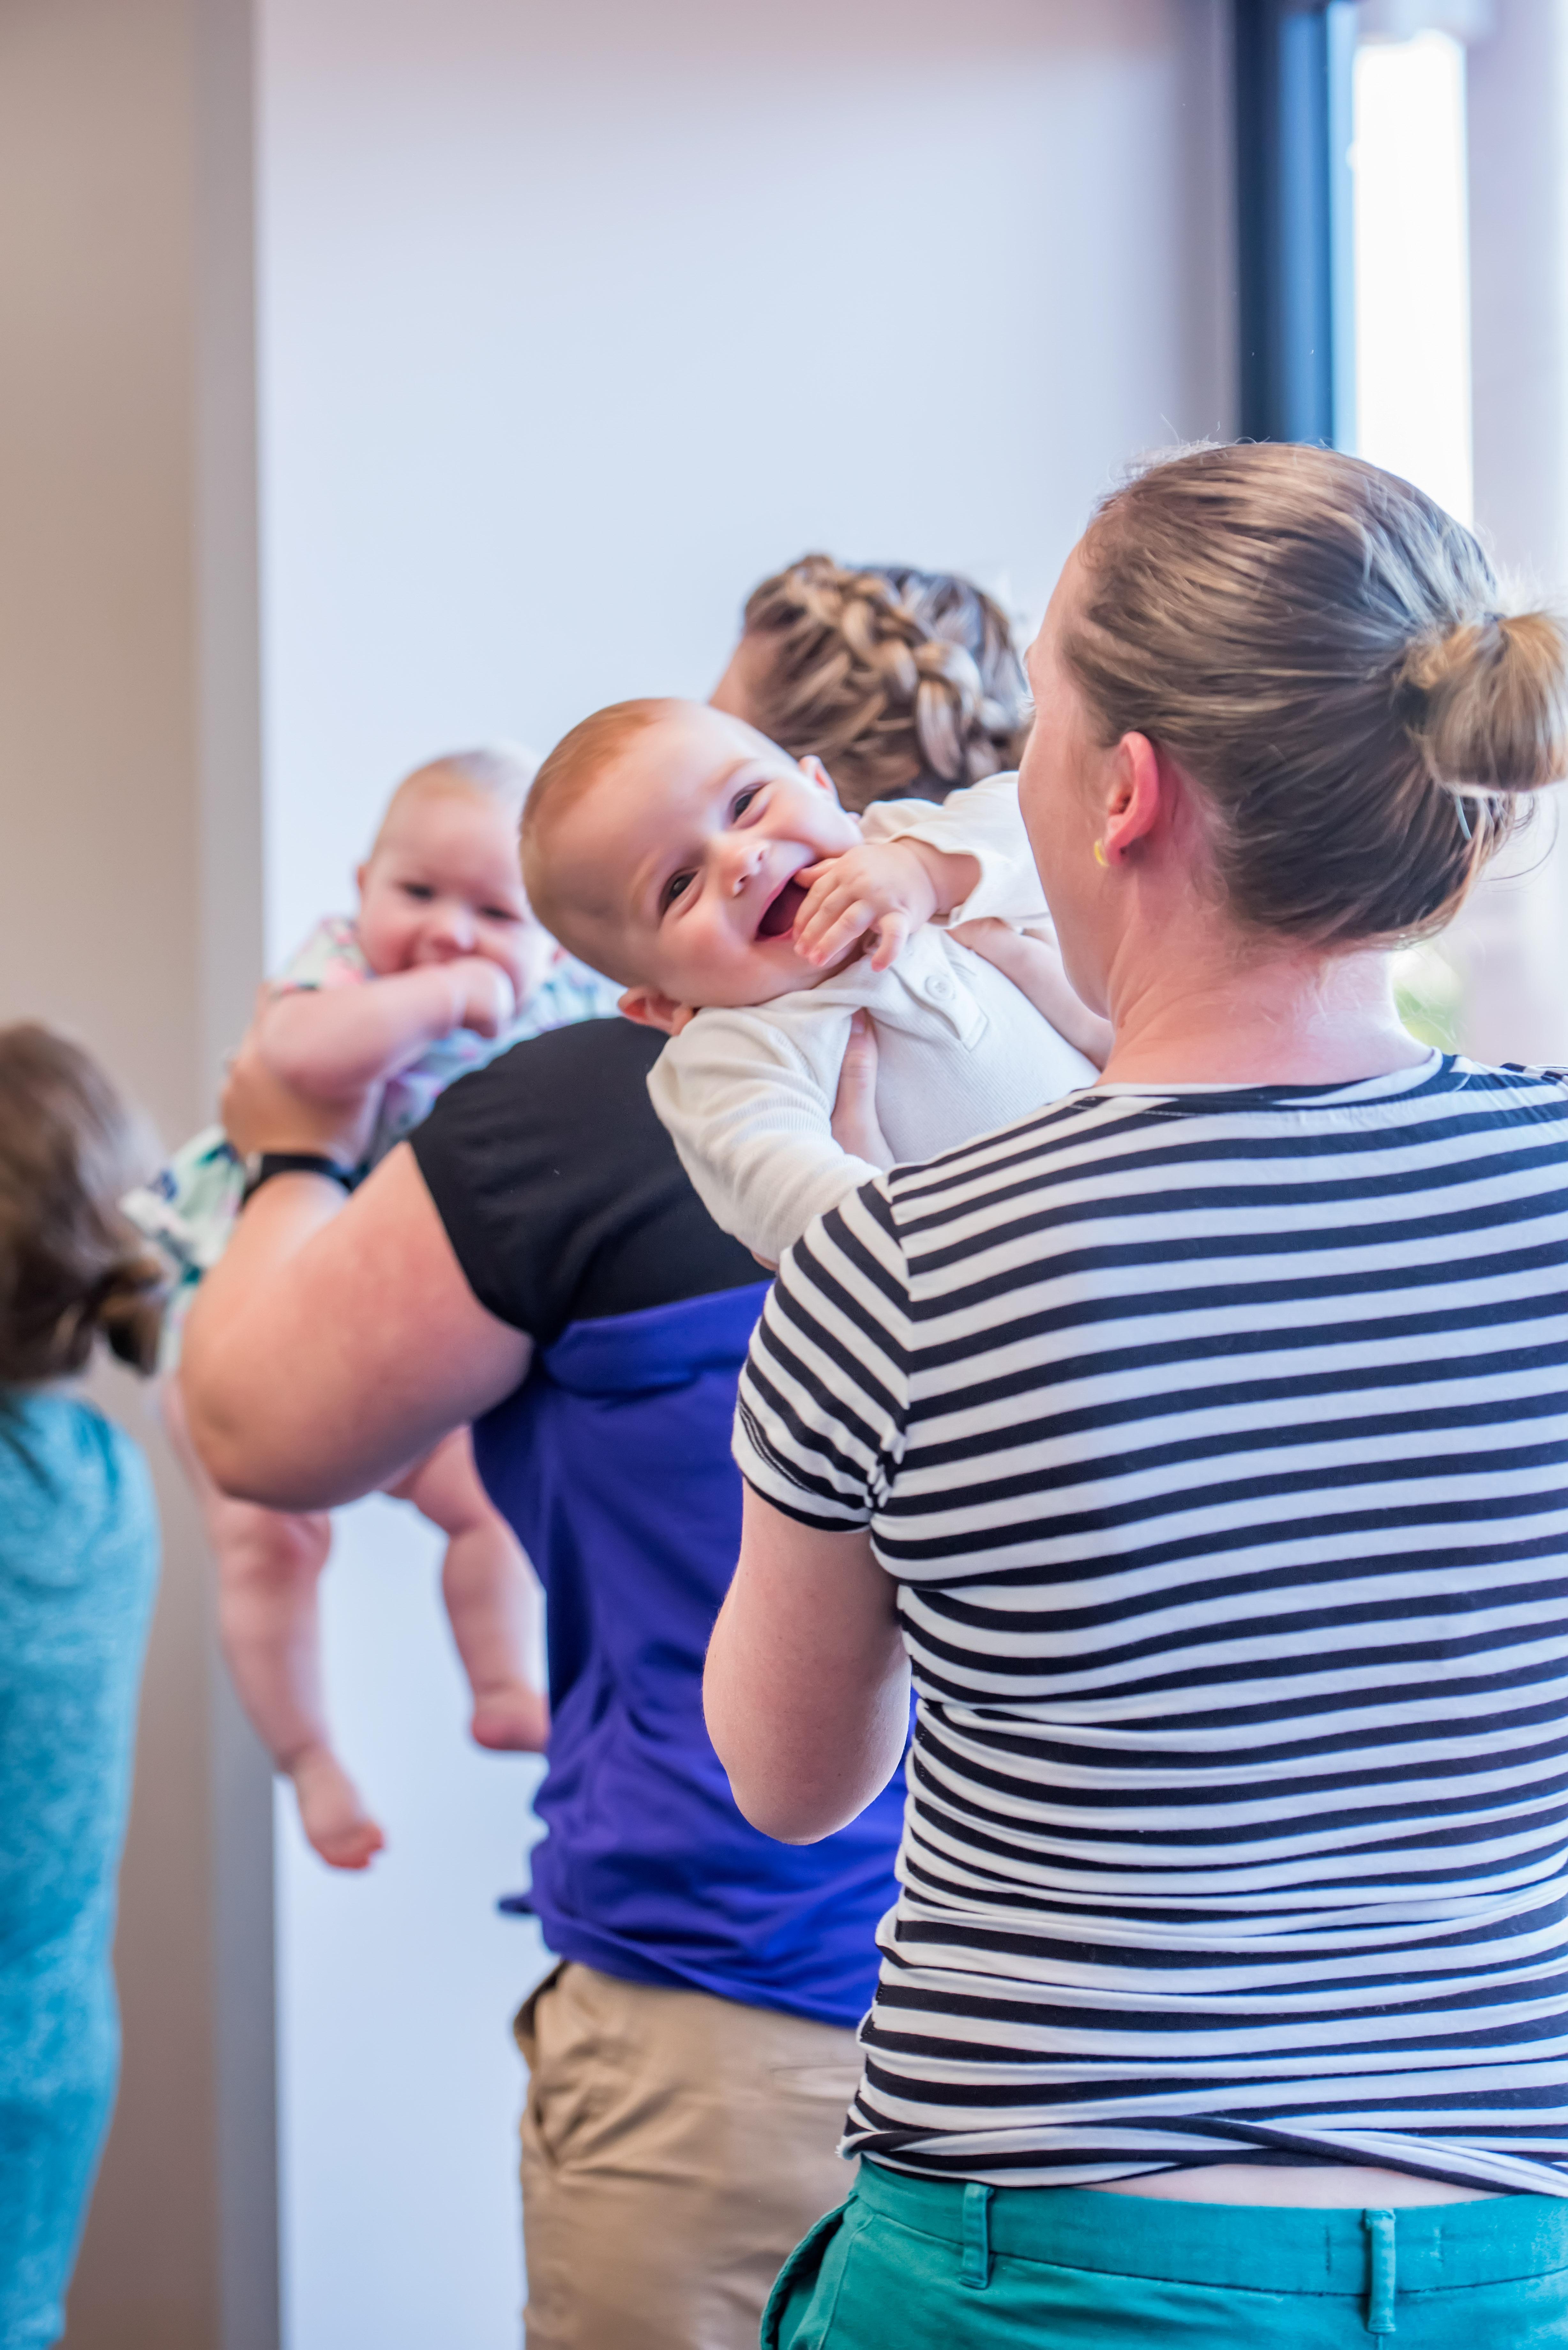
[750, 1112]
[330, 1042]
[964, 860]
[1033, 965]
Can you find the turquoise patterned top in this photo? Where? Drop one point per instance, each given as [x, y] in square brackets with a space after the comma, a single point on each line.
[78, 1562]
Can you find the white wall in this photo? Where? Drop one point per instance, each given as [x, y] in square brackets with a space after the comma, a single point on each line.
[574, 323]
[399, 2087]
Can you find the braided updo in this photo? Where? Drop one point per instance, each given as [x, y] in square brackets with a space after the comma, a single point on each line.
[904, 683]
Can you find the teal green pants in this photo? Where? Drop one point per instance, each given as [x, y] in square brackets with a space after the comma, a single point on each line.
[926, 2264]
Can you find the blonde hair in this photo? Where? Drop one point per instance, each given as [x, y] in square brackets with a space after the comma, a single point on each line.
[579, 756]
[1330, 658]
[501, 771]
[902, 683]
[71, 1267]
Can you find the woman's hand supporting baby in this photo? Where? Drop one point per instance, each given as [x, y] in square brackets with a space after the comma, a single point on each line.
[856, 1128]
[263, 1111]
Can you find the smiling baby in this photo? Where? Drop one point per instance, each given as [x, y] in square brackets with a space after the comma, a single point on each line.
[746, 913]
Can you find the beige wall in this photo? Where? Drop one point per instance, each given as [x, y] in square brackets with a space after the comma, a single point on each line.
[129, 912]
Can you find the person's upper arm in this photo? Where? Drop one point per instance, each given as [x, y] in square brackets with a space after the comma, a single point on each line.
[983, 821]
[824, 1398]
[750, 1113]
[313, 1381]
[806, 1691]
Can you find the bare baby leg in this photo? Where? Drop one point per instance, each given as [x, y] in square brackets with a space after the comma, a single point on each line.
[269, 1563]
[492, 1598]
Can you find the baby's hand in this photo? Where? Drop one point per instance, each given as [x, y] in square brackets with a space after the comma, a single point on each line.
[884, 886]
[486, 996]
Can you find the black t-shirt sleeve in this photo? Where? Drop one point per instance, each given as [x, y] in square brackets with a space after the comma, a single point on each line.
[560, 1191]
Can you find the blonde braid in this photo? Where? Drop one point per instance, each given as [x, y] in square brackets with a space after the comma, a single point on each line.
[901, 681]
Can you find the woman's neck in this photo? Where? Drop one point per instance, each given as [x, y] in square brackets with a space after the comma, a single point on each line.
[1225, 1015]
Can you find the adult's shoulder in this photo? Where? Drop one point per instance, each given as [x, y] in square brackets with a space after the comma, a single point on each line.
[1547, 1081]
[578, 1080]
[559, 1189]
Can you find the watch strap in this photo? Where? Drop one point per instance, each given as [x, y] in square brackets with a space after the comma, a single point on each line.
[268, 1163]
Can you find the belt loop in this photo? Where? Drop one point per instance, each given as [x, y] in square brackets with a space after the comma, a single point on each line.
[976, 2269]
[1380, 2272]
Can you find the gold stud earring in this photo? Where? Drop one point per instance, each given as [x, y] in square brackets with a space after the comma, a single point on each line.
[1100, 857]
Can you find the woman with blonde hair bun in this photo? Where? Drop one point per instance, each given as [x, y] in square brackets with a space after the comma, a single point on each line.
[1199, 1446]
[906, 684]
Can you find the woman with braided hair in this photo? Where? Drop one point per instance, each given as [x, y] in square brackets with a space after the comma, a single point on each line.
[906, 684]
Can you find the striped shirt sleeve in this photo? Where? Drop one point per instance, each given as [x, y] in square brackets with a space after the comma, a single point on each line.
[824, 1399]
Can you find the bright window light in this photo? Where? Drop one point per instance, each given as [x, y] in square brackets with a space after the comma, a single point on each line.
[1412, 264]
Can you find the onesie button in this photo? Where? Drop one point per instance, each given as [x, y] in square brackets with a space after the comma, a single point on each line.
[939, 986]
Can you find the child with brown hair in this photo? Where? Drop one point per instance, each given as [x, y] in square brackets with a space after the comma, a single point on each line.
[78, 1561]
[442, 967]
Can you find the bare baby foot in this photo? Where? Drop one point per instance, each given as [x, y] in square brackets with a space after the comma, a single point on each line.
[330, 1811]
[511, 1719]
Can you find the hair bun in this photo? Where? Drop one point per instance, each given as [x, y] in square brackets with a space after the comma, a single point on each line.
[129, 1310]
[1486, 702]
[71, 1263]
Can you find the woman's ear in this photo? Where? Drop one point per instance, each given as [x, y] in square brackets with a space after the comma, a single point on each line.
[1136, 793]
[650, 1008]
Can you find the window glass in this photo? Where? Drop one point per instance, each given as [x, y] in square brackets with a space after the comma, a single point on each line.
[1412, 365]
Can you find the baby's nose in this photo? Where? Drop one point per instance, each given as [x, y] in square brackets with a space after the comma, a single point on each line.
[453, 926]
[745, 858]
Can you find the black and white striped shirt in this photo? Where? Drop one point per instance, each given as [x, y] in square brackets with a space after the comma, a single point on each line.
[1218, 1441]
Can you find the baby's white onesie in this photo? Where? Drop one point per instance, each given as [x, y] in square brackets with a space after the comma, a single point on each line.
[747, 1094]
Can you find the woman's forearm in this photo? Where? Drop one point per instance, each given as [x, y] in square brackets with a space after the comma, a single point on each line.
[336, 1340]
[807, 1692]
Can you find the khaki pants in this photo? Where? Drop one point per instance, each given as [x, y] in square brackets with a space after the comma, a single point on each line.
[676, 2147]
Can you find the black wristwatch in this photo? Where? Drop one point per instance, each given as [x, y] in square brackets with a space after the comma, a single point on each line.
[264, 1164]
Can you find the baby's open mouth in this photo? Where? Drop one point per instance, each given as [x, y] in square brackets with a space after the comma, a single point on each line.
[778, 919]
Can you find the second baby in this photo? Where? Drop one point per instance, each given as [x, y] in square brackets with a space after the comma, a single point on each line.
[442, 966]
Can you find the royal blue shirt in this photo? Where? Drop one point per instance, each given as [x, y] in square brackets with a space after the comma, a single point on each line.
[572, 1220]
